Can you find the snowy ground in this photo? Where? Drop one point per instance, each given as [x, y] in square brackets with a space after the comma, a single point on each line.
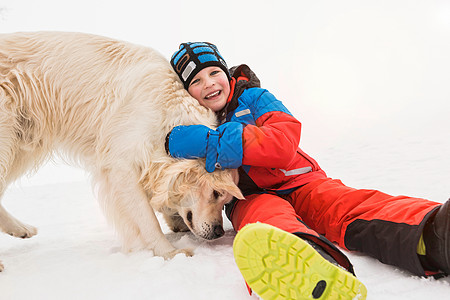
[76, 256]
[369, 81]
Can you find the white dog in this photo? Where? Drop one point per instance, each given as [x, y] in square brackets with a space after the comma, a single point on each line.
[107, 105]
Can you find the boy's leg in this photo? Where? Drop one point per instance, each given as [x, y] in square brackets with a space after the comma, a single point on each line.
[273, 210]
[435, 251]
[279, 265]
[383, 226]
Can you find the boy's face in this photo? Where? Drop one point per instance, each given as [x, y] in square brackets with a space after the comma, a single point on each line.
[211, 88]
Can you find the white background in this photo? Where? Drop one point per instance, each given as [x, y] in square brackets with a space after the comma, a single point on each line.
[369, 80]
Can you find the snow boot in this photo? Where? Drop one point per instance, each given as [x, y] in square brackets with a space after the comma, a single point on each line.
[323, 252]
[279, 265]
[436, 236]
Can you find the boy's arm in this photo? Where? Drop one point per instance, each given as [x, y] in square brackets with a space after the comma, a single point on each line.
[273, 139]
[222, 147]
[272, 142]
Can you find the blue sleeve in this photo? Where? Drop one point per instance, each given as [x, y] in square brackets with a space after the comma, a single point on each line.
[262, 102]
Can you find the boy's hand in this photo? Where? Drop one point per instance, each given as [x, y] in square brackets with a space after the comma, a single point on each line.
[222, 147]
[187, 141]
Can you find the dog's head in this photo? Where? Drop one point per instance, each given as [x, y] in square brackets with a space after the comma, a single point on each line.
[185, 189]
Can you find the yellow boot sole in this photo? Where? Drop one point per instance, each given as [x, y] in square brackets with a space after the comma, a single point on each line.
[279, 265]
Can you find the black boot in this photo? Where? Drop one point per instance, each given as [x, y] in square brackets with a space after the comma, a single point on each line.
[436, 236]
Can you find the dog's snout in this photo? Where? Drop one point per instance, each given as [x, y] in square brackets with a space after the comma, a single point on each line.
[211, 231]
[218, 231]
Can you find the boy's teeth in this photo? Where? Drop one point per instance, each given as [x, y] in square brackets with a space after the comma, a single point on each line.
[212, 95]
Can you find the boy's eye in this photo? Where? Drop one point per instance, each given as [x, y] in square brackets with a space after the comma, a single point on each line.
[194, 81]
[214, 72]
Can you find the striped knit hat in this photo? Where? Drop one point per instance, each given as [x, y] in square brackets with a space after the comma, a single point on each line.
[191, 58]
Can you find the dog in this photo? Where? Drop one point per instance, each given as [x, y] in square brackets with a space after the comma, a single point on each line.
[107, 106]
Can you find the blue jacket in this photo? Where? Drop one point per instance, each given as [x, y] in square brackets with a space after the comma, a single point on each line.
[272, 160]
[258, 135]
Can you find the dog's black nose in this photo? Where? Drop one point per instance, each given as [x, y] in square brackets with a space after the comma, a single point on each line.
[218, 231]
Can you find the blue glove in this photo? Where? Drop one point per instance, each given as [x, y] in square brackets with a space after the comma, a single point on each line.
[222, 147]
[187, 141]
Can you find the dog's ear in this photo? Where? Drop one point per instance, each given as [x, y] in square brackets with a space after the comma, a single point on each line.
[156, 179]
[225, 180]
[236, 193]
[193, 175]
[234, 190]
[167, 183]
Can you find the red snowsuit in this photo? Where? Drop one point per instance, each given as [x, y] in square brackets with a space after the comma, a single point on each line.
[286, 188]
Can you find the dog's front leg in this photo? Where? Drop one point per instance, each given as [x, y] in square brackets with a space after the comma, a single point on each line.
[127, 207]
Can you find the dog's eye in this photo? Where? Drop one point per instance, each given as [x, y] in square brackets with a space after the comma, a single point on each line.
[189, 216]
[217, 194]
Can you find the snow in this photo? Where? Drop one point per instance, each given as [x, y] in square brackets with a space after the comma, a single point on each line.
[368, 80]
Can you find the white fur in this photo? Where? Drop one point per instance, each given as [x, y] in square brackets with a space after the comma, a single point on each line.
[106, 105]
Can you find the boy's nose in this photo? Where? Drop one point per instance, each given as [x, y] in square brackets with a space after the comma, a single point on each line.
[209, 83]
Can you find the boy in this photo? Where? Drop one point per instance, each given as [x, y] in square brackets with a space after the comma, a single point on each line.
[294, 211]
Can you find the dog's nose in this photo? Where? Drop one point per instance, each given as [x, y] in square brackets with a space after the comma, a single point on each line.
[218, 231]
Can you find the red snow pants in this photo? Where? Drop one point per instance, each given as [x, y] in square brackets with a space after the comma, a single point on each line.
[326, 211]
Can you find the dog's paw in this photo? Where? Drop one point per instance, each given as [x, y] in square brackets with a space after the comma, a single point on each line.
[185, 251]
[22, 231]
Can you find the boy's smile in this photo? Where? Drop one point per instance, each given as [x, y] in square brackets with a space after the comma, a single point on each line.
[211, 88]
[213, 95]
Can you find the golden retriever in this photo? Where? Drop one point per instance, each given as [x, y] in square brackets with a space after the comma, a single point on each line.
[107, 105]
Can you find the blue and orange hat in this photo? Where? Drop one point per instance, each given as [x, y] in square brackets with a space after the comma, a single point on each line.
[191, 58]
